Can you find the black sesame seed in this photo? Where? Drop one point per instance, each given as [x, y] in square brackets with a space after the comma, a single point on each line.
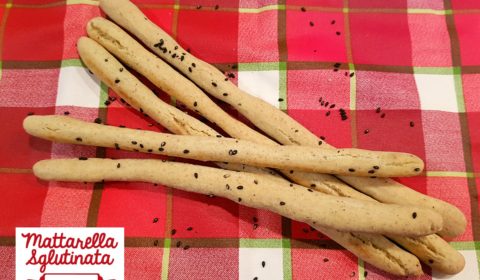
[239, 199]
[337, 65]
[190, 69]
[141, 146]
[117, 147]
[320, 143]
[227, 186]
[199, 7]
[352, 74]
[263, 263]
[291, 171]
[163, 144]
[173, 232]
[371, 171]
[255, 182]
[378, 110]
[430, 261]
[414, 215]
[106, 59]
[82, 158]
[232, 152]
[186, 151]
[313, 185]
[107, 102]
[216, 7]
[78, 139]
[195, 175]
[303, 9]
[338, 33]
[255, 226]
[382, 115]
[351, 170]
[190, 228]
[365, 274]
[240, 188]
[179, 243]
[332, 106]
[366, 131]
[214, 84]
[417, 169]
[219, 136]
[149, 150]
[325, 260]
[326, 104]
[310, 190]
[332, 22]
[117, 81]
[280, 99]
[155, 220]
[186, 247]
[121, 69]
[255, 278]
[226, 175]
[376, 167]
[161, 149]
[66, 113]
[282, 203]
[412, 124]
[195, 104]
[98, 120]
[255, 219]
[231, 75]
[327, 113]
[311, 23]
[225, 94]
[194, 65]
[322, 137]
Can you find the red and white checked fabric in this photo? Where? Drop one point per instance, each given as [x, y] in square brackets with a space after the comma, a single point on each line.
[417, 61]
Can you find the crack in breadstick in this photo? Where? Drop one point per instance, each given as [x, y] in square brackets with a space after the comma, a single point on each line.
[93, 56]
[69, 130]
[272, 121]
[289, 200]
[375, 249]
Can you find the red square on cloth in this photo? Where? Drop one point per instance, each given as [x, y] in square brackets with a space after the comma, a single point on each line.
[18, 149]
[143, 263]
[29, 87]
[203, 263]
[22, 201]
[161, 17]
[465, 4]
[257, 223]
[7, 262]
[323, 264]
[25, 41]
[473, 125]
[468, 36]
[306, 87]
[393, 4]
[208, 217]
[382, 39]
[316, 3]
[387, 90]
[304, 231]
[454, 191]
[74, 25]
[471, 92]
[335, 131]
[214, 40]
[138, 207]
[430, 40]
[443, 141]
[417, 183]
[209, 5]
[35, 2]
[312, 37]
[391, 132]
[257, 37]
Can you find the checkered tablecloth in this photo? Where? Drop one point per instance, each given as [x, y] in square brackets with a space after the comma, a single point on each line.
[406, 72]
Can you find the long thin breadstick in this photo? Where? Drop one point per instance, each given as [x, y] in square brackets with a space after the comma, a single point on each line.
[289, 200]
[372, 248]
[68, 130]
[268, 118]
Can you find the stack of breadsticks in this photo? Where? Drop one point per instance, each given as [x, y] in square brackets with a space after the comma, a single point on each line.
[361, 209]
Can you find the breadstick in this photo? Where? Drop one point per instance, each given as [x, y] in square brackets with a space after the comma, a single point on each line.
[372, 248]
[120, 44]
[268, 118]
[68, 130]
[289, 200]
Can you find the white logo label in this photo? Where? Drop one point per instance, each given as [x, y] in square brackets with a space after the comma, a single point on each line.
[69, 253]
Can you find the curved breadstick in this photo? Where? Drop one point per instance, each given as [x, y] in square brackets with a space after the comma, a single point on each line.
[268, 118]
[68, 130]
[289, 200]
[372, 248]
